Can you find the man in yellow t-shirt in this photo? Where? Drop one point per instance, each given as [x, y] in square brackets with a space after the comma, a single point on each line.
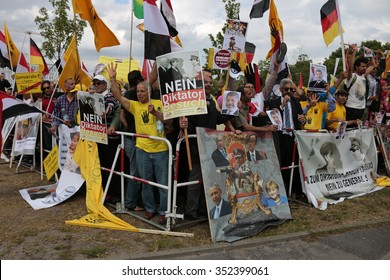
[152, 155]
[314, 110]
[339, 114]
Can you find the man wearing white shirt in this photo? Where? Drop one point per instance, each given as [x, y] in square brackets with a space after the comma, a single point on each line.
[222, 207]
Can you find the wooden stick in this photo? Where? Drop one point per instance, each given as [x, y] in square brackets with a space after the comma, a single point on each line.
[188, 149]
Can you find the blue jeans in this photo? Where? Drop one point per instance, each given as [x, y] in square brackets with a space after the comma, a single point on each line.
[134, 188]
[153, 167]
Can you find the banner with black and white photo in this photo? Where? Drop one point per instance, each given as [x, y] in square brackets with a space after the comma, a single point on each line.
[336, 168]
[244, 188]
[69, 138]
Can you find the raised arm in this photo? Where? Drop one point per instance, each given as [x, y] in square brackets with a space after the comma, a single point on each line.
[115, 87]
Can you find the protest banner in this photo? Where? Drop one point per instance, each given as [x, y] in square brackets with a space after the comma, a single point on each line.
[122, 68]
[242, 181]
[93, 126]
[28, 82]
[181, 84]
[69, 138]
[50, 163]
[235, 35]
[26, 131]
[336, 168]
[51, 195]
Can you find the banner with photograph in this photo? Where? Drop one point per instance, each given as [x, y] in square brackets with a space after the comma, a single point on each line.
[181, 84]
[50, 195]
[235, 35]
[69, 138]
[242, 181]
[26, 131]
[93, 126]
[337, 168]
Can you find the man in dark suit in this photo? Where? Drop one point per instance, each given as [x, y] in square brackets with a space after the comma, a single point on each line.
[231, 104]
[219, 156]
[164, 74]
[222, 207]
[251, 153]
[293, 119]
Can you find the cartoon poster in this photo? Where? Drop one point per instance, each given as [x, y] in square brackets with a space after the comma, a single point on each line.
[26, 131]
[181, 84]
[235, 36]
[243, 184]
[337, 168]
[50, 195]
[93, 126]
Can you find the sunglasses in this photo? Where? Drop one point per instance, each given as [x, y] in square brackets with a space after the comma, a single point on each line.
[290, 89]
[97, 83]
[46, 88]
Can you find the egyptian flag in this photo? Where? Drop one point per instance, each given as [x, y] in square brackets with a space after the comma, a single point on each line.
[4, 58]
[169, 17]
[36, 58]
[157, 37]
[23, 66]
[259, 8]
[330, 21]
[14, 107]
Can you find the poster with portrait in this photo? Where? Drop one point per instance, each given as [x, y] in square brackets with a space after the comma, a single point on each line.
[275, 118]
[181, 84]
[230, 103]
[93, 126]
[69, 138]
[51, 195]
[26, 131]
[235, 35]
[336, 169]
[242, 181]
[317, 77]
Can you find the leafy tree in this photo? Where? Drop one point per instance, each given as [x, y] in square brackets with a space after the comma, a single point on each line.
[371, 44]
[56, 29]
[301, 66]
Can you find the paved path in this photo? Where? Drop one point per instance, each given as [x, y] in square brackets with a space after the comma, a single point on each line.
[360, 241]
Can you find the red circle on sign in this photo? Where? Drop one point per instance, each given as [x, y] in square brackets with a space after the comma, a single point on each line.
[222, 58]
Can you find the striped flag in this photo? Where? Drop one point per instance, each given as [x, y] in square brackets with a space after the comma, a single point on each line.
[259, 8]
[23, 66]
[330, 21]
[138, 8]
[14, 107]
[169, 17]
[36, 58]
[4, 58]
[157, 37]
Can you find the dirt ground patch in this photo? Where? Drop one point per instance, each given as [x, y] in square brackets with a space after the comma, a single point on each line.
[29, 234]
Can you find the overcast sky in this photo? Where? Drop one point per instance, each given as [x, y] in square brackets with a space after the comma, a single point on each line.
[362, 20]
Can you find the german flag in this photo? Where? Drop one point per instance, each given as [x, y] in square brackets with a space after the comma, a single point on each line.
[37, 58]
[329, 21]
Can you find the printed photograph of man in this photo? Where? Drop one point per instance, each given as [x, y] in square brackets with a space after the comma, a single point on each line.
[220, 156]
[358, 150]
[230, 103]
[221, 206]
[317, 77]
[341, 130]
[276, 118]
[252, 154]
[332, 157]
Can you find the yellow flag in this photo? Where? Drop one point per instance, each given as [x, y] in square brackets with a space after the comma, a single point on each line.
[87, 158]
[72, 68]
[13, 50]
[276, 29]
[104, 37]
[384, 74]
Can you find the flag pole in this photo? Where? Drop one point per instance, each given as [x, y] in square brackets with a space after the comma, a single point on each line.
[341, 35]
[131, 33]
